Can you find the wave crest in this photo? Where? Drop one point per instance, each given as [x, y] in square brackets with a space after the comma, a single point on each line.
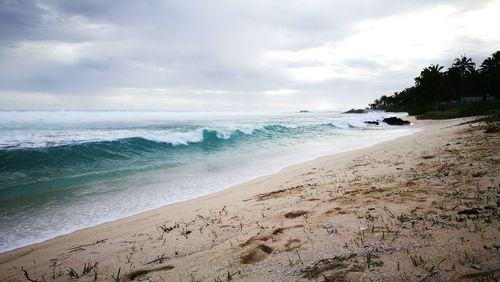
[27, 165]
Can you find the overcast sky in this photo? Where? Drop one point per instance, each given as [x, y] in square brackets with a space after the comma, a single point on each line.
[227, 55]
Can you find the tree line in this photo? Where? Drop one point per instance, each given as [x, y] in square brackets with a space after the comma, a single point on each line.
[436, 88]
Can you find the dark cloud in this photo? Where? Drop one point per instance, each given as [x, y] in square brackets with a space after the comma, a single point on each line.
[96, 48]
[19, 20]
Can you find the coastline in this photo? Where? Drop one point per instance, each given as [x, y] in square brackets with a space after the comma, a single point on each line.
[336, 148]
[80, 185]
[274, 224]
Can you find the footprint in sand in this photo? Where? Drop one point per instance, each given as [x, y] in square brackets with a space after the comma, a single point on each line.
[292, 244]
[256, 254]
[294, 214]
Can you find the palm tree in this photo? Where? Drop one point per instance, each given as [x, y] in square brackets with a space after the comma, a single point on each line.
[435, 68]
[429, 83]
[464, 67]
[490, 72]
[491, 63]
[429, 73]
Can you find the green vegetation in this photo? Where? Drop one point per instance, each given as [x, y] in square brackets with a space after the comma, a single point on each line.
[490, 108]
[116, 277]
[461, 90]
[372, 258]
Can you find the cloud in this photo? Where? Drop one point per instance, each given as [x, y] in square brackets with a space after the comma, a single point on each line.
[229, 54]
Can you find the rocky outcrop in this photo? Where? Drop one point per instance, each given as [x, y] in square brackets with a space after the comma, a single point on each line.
[355, 111]
[395, 121]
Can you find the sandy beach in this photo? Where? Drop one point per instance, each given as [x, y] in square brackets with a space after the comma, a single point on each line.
[418, 208]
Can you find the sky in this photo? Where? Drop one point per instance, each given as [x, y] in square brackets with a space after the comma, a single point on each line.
[230, 55]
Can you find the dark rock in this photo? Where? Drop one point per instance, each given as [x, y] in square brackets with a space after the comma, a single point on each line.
[355, 111]
[372, 122]
[395, 121]
[304, 111]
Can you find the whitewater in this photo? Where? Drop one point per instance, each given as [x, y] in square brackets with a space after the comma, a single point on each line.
[61, 171]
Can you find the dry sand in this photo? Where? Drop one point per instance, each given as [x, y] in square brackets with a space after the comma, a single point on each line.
[418, 208]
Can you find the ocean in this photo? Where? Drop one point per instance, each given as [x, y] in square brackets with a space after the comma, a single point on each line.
[61, 171]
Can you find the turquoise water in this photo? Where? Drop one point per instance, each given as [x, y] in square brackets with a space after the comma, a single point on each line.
[65, 170]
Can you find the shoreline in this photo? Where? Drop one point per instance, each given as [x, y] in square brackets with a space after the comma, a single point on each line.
[213, 194]
[242, 183]
[237, 225]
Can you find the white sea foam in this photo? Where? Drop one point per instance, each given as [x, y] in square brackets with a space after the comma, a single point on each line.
[20, 129]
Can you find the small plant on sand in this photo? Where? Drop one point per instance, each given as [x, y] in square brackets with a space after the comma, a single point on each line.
[167, 229]
[116, 277]
[230, 275]
[214, 235]
[185, 232]
[159, 259]
[129, 257]
[416, 261]
[292, 262]
[259, 225]
[331, 231]
[403, 218]
[370, 217]
[73, 274]
[372, 258]
[87, 268]
[478, 173]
